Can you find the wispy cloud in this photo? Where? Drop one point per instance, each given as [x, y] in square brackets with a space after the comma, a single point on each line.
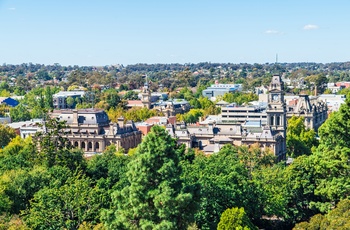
[310, 27]
[272, 32]
[12, 8]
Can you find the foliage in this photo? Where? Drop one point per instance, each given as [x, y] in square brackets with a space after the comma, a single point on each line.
[134, 114]
[155, 198]
[234, 219]
[18, 186]
[191, 116]
[316, 182]
[223, 183]
[271, 183]
[70, 102]
[66, 207]
[111, 167]
[7, 134]
[239, 97]
[130, 95]
[336, 129]
[299, 139]
[12, 222]
[112, 97]
[55, 149]
[17, 154]
[319, 80]
[5, 93]
[336, 219]
[19, 113]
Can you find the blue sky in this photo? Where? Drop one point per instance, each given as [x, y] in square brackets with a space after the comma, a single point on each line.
[86, 32]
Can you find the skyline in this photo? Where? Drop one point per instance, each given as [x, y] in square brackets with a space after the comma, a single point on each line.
[130, 32]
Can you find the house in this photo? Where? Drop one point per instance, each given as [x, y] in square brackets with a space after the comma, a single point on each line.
[60, 98]
[8, 101]
[145, 127]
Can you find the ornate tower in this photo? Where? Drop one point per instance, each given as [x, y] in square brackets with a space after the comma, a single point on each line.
[146, 95]
[276, 112]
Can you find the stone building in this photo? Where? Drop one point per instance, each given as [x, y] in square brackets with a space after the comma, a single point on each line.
[314, 111]
[265, 127]
[91, 131]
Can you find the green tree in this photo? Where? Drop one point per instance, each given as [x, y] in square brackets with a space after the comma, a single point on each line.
[70, 102]
[155, 198]
[111, 97]
[235, 219]
[48, 98]
[131, 95]
[336, 129]
[18, 153]
[319, 80]
[66, 207]
[19, 186]
[337, 219]
[299, 139]
[19, 113]
[54, 148]
[6, 134]
[223, 183]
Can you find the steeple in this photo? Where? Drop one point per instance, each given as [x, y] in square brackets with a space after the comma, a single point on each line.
[146, 95]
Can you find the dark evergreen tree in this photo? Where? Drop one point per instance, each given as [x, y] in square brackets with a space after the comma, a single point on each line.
[155, 198]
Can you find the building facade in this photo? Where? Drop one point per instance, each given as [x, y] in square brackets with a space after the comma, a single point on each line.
[60, 98]
[265, 126]
[220, 89]
[91, 131]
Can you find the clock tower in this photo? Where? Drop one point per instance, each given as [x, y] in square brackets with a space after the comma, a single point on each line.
[276, 111]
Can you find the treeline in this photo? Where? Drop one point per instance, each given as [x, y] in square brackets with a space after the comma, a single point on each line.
[168, 77]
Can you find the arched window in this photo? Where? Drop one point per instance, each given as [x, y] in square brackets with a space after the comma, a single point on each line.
[76, 144]
[97, 146]
[83, 145]
[278, 120]
[89, 145]
[271, 120]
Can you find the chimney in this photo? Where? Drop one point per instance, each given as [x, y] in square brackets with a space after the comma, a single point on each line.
[75, 117]
[216, 146]
[111, 129]
[121, 121]
[315, 90]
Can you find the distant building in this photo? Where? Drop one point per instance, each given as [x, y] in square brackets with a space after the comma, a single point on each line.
[220, 89]
[240, 114]
[8, 101]
[145, 127]
[27, 128]
[172, 107]
[5, 120]
[334, 88]
[333, 101]
[60, 98]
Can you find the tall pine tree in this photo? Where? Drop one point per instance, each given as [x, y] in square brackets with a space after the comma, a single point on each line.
[155, 197]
